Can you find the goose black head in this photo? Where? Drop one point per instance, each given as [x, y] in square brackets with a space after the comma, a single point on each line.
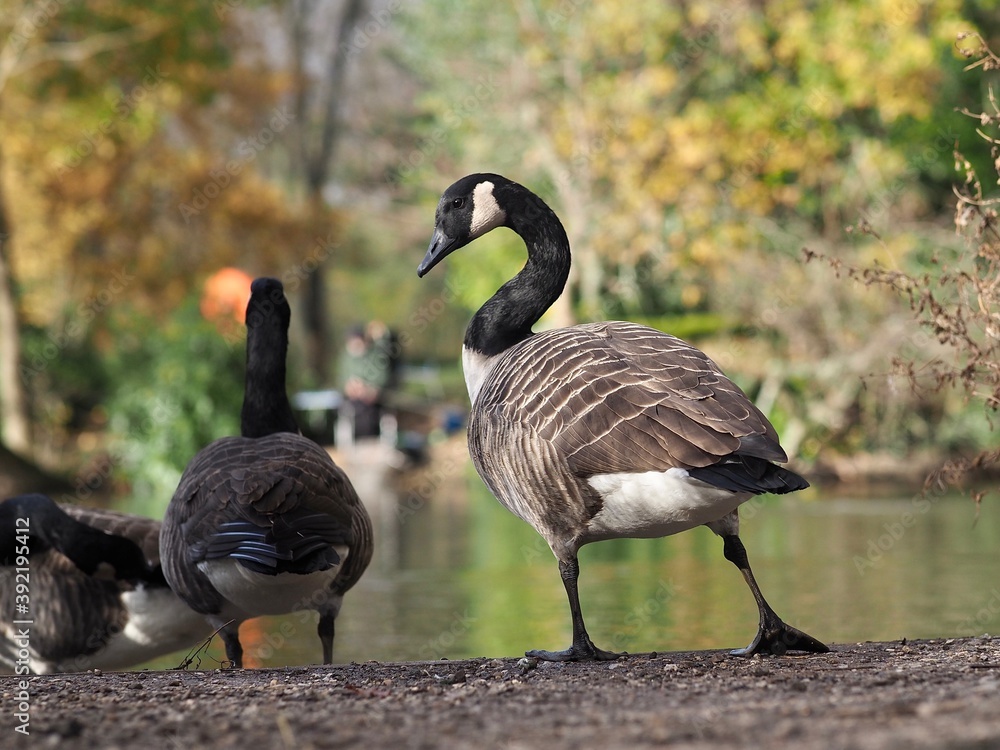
[268, 302]
[468, 209]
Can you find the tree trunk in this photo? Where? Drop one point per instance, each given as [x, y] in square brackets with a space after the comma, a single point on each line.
[317, 164]
[16, 430]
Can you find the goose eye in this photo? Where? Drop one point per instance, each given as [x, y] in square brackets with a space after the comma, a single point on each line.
[458, 203]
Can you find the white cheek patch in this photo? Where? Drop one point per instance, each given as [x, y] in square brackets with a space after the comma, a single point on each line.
[486, 212]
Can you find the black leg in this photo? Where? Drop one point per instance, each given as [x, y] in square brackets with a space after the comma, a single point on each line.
[231, 639]
[325, 630]
[582, 649]
[773, 635]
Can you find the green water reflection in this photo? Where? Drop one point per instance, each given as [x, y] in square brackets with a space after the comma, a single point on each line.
[460, 577]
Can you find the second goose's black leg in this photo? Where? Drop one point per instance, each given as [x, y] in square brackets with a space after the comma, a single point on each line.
[773, 635]
[231, 639]
[583, 648]
[325, 631]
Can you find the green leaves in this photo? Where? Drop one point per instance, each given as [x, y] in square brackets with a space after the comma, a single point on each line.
[178, 385]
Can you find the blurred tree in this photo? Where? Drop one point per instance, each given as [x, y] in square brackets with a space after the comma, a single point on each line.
[319, 101]
[52, 56]
[956, 297]
[147, 151]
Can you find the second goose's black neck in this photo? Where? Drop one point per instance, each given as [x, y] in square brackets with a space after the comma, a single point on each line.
[507, 317]
[266, 408]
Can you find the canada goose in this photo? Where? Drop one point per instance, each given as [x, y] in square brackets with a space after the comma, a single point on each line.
[94, 595]
[265, 523]
[604, 430]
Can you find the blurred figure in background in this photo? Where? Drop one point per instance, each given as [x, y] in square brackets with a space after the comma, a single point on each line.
[369, 369]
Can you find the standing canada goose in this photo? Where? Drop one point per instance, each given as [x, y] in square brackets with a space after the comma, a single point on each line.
[604, 430]
[94, 595]
[265, 523]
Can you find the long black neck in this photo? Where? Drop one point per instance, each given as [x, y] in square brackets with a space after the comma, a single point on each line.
[266, 409]
[507, 317]
[51, 528]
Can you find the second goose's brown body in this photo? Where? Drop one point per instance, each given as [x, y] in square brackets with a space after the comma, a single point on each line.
[265, 523]
[265, 526]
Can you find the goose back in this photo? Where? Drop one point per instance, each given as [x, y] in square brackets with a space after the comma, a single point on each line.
[599, 399]
[277, 504]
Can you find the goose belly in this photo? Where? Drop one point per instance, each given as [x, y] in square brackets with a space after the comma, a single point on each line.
[656, 503]
[256, 594]
[158, 623]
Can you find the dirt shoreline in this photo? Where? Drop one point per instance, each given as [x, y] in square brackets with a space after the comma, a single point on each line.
[942, 693]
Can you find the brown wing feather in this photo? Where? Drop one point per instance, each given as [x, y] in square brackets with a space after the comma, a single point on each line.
[74, 614]
[145, 532]
[619, 397]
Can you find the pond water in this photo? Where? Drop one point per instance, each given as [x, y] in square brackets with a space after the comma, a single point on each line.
[455, 575]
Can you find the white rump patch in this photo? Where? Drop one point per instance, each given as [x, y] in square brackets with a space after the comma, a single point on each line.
[656, 503]
[256, 594]
[486, 212]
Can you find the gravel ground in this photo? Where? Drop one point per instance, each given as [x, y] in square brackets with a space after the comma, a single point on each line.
[922, 694]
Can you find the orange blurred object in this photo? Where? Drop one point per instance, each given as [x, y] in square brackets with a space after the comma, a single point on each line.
[224, 300]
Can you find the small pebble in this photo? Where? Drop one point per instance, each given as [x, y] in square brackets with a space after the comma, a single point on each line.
[527, 663]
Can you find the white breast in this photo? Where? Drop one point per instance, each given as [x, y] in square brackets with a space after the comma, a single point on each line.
[656, 503]
[476, 366]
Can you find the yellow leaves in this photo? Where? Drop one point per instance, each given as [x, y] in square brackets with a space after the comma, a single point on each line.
[796, 39]
[655, 81]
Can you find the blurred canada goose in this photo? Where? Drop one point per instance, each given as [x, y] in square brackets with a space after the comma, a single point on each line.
[94, 593]
[604, 430]
[265, 523]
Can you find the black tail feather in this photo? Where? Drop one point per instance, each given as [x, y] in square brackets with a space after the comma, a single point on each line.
[290, 545]
[742, 473]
